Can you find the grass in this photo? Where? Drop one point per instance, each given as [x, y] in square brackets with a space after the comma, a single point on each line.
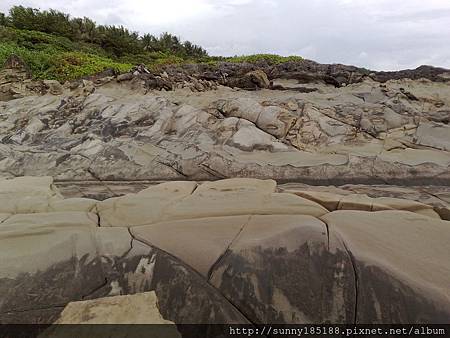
[59, 58]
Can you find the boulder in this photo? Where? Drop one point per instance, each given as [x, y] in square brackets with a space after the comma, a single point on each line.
[54, 87]
[124, 77]
[258, 78]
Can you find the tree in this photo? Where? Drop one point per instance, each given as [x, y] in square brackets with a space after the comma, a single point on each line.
[149, 43]
[84, 29]
[55, 22]
[24, 18]
[3, 19]
[116, 41]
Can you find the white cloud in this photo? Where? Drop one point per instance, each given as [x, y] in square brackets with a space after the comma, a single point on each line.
[377, 34]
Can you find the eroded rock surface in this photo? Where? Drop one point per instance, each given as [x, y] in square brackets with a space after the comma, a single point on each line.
[378, 128]
[164, 185]
[231, 251]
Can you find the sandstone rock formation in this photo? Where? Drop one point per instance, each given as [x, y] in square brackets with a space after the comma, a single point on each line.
[393, 132]
[238, 193]
[231, 251]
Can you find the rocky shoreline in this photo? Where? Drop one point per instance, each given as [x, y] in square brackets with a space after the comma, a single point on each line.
[230, 193]
[119, 128]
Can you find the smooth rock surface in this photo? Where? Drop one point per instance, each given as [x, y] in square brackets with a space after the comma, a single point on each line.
[230, 251]
[406, 251]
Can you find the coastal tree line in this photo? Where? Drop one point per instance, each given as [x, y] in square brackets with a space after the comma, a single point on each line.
[116, 40]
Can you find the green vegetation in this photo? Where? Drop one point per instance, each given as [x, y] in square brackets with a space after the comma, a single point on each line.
[56, 46]
[271, 59]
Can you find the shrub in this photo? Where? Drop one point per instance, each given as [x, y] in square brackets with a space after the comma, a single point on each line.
[56, 46]
[271, 59]
[73, 65]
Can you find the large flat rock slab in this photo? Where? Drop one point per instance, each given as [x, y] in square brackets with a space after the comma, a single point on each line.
[280, 269]
[232, 197]
[401, 262]
[205, 240]
[234, 251]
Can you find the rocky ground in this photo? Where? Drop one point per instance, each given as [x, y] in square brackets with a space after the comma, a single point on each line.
[368, 132]
[229, 251]
[355, 231]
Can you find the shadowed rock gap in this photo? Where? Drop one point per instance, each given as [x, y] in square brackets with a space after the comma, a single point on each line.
[226, 251]
[193, 271]
[355, 273]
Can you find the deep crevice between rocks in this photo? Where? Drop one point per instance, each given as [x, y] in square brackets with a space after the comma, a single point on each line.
[227, 250]
[98, 179]
[173, 168]
[354, 266]
[101, 286]
[328, 232]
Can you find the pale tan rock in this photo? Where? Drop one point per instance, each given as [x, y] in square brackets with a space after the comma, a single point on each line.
[389, 203]
[33, 242]
[54, 87]
[130, 309]
[276, 121]
[397, 248]
[73, 204]
[174, 201]
[3, 217]
[204, 240]
[355, 202]
[259, 78]
[240, 197]
[146, 207]
[29, 185]
[414, 157]
[347, 201]
[27, 194]
[248, 185]
[326, 199]
[435, 135]
[249, 138]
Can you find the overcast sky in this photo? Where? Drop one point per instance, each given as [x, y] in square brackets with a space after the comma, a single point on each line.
[377, 34]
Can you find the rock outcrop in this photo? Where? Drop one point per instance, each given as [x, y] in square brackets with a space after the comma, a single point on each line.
[231, 251]
[226, 194]
[394, 132]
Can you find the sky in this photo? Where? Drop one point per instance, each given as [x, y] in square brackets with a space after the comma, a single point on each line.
[376, 34]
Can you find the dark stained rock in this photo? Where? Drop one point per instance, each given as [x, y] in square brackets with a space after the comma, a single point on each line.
[234, 251]
[401, 265]
[281, 270]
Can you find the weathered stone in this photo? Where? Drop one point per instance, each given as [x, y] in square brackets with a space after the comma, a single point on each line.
[54, 87]
[237, 250]
[401, 263]
[278, 257]
[125, 77]
[130, 309]
[280, 270]
[258, 78]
